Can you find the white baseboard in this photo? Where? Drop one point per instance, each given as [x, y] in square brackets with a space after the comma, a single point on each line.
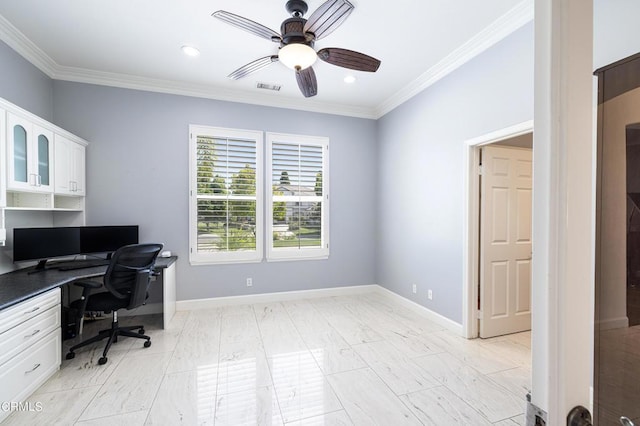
[193, 304]
[610, 324]
[148, 309]
[432, 316]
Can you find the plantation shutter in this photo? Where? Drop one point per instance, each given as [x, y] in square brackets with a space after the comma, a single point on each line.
[227, 189]
[298, 209]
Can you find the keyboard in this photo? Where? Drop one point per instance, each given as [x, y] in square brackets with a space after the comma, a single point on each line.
[81, 264]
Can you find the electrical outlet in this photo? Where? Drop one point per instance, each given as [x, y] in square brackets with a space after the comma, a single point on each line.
[415, 289]
[430, 294]
[249, 282]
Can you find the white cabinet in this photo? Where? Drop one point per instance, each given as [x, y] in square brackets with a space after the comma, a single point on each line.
[30, 346]
[69, 167]
[29, 156]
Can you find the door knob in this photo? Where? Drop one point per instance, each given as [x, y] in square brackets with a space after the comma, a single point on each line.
[624, 421]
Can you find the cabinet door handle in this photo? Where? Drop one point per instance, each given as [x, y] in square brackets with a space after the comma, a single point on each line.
[32, 311]
[35, 367]
[32, 334]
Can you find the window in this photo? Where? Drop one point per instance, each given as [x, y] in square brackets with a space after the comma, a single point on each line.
[298, 200]
[225, 206]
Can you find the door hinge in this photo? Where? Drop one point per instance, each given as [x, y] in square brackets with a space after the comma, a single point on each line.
[479, 314]
[191, 249]
[480, 169]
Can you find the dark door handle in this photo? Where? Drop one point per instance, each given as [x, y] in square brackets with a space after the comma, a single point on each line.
[625, 421]
[579, 416]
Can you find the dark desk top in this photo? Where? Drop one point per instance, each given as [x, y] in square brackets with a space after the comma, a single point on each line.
[17, 286]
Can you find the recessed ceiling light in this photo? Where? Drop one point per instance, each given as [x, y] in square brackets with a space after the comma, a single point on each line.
[190, 50]
[349, 79]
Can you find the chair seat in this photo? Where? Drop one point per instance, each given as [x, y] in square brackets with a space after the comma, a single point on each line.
[102, 302]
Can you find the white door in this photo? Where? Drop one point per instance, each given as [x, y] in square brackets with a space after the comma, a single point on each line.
[505, 241]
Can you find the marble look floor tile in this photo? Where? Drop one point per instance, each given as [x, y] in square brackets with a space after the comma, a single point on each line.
[236, 310]
[82, 371]
[417, 322]
[187, 398]
[279, 334]
[514, 421]
[161, 341]
[491, 400]
[129, 419]
[239, 327]
[178, 321]
[398, 371]
[306, 317]
[131, 387]
[243, 366]
[333, 360]
[353, 330]
[193, 353]
[523, 338]
[368, 401]
[301, 388]
[509, 350]
[338, 418]
[440, 406]
[256, 407]
[411, 344]
[471, 352]
[517, 381]
[58, 408]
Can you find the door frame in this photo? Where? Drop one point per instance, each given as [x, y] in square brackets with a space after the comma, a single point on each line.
[471, 225]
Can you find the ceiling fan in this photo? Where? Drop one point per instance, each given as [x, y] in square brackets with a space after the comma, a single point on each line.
[297, 39]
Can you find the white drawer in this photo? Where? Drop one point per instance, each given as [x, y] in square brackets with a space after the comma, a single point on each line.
[20, 337]
[28, 309]
[24, 373]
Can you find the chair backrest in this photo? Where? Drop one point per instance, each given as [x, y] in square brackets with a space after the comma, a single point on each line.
[129, 272]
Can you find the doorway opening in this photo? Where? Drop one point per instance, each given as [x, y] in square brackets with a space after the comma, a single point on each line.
[497, 296]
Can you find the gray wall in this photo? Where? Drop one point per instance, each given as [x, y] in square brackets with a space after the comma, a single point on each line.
[420, 163]
[25, 85]
[137, 173]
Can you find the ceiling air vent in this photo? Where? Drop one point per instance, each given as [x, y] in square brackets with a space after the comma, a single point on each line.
[269, 86]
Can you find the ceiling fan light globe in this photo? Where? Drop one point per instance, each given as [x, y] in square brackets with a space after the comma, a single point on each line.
[297, 56]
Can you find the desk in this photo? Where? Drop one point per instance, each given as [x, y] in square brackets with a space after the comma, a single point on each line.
[18, 286]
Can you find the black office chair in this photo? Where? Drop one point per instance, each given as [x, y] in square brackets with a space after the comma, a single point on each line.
[127, 281]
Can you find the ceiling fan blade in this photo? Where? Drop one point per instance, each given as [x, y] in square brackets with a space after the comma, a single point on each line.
[307, 82]
[329, 16]
[247, 25]
[349, 59]
[252, 67]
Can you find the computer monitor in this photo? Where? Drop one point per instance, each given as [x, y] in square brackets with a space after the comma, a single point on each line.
[106, 239]
[46, 243]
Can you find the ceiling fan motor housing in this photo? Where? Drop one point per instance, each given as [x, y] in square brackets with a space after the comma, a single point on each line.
[292, 31]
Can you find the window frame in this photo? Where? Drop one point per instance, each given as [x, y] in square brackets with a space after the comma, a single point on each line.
[239, 256]
[305, 253]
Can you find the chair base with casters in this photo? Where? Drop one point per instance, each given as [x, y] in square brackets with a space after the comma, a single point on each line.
[126, 281]
[112, 335]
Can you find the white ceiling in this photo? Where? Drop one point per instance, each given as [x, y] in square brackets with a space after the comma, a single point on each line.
[137, 44]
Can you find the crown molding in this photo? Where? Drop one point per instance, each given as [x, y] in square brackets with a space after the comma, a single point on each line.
[172, 87]
[498, 30]
[502, 27]
[26, 48]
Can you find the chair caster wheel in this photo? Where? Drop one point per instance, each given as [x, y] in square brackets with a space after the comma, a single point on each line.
[102, 360]
[141, 331]
[71, 355]
[147, 343]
